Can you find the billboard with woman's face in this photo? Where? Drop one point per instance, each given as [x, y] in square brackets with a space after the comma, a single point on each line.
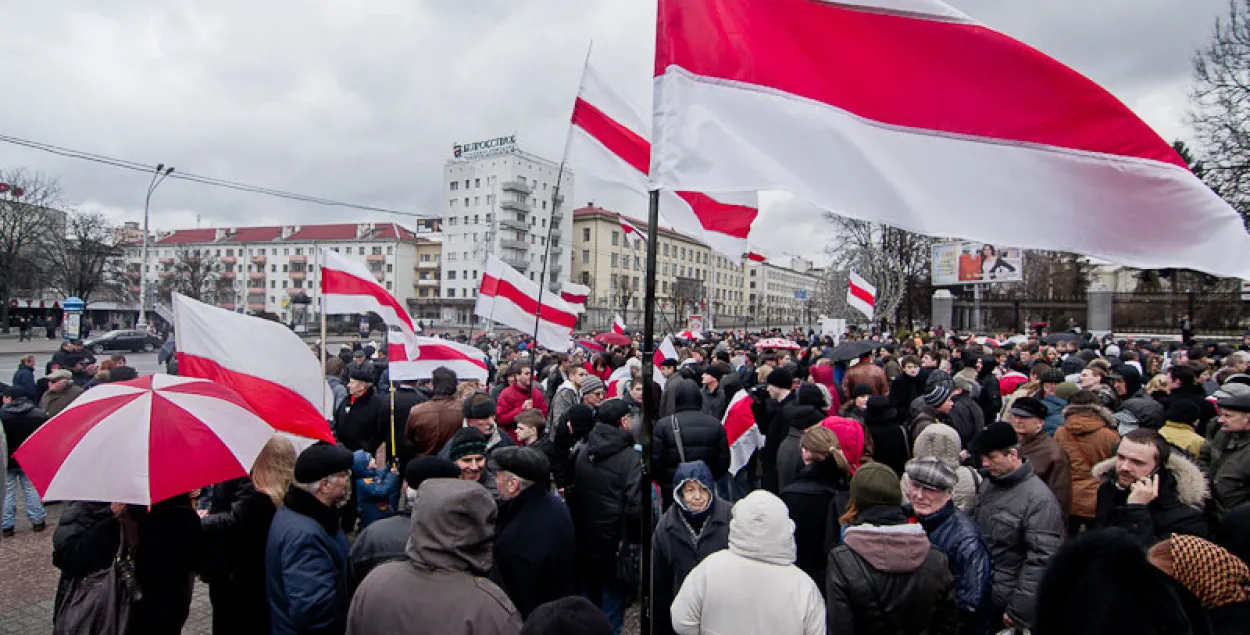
[972, 263]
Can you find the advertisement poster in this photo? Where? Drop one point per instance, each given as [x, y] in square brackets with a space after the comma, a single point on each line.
[973, 263]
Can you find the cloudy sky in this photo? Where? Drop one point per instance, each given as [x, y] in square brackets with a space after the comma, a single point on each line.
[362, 101]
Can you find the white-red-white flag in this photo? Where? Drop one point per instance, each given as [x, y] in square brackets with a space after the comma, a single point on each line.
[910, 113]
[618, 324]
[507, 297]
[665, 351]
[754, 256]
[631, 230]
[347, 287]
[608, 140]
[575, 295]
[861, 295]
[266, 363]
[744, 435]
[467, 362]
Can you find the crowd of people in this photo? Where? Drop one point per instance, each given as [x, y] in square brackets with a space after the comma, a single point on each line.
[930, 484]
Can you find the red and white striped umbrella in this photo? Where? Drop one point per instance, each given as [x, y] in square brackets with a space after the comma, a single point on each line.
[986, 341]
[143, 441]
[777, 342]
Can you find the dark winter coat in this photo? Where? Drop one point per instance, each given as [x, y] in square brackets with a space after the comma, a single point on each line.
[1177, 509]
[533, 555]
[703, 438]
[789, 456]
[1023, 527]
[1228, 466]
[20, 418]
[235, 532]
[380, 542]
[714, 403]
[777, 415]
[957, 536]
[1051, 464]
[677, 547]
[362, 423]
[886, 579]
[604, 497]
[24, 378]
[903, 391]
[891, 445]
[406, 398]
[1054, 413]
[817, 498]
[169, 552]
[967, 418]
[306, 568]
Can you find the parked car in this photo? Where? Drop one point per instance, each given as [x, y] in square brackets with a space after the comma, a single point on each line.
[123, 340]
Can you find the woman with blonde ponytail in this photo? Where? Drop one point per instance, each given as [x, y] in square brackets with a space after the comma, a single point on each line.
[816, 499]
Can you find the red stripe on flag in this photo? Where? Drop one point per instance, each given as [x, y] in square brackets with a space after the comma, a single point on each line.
[435, 353]
[335, 282]
[722, 218]
[572, 298]
[618, 139]
[280, 407]
[496, 288]
[862, 294]
[751, 255]
[931, 75]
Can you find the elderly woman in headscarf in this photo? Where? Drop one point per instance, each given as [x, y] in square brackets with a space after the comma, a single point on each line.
[694, 527]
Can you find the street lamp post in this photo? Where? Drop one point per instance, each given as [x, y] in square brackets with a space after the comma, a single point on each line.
[158, 176]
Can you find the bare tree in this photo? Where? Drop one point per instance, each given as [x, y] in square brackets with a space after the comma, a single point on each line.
[889, 258]
[191, 272]
[27, 219]
[1220, 106]
[86, 260]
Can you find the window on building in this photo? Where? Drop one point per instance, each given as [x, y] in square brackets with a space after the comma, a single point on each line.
[451, 273]
[477, 200]
[614, 261]
[625, 261]
[475, 221]
[616, 238]
[664, 286]
[544, 205]
[423, 293]
[488, 218]
[752, 284]
[586, 277]
[544, 223]
[615, 282]
[285, 269]
[273, 284]
[477, 182]
[284, 284]
[390, 268]
[635, 283]
[466, 203]
[490, 199]
[376, 251]
[273, 268]
[451, 256]
[585, 233]
[466, 184]
[585, 256]
[388, 285]
[451, 293]
[455, 185]
[466, 219]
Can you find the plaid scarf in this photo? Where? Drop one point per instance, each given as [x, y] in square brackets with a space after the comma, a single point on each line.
[1210, 572]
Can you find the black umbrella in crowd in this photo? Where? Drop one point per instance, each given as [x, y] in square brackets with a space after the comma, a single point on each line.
[854, 350]
[1055, 338]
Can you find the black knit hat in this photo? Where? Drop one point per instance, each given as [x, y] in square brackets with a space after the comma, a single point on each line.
[781, 378]
[861, 390]
[810, 395]
[466, 442]
[996, 436]
[361, 374]
[1184, 411]
[612, 411]
[321, 460]
[423, 468]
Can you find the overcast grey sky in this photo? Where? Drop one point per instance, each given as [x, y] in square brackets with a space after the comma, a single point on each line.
[363, 101]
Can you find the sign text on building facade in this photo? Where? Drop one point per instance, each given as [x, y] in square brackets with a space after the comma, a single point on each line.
[477, 149]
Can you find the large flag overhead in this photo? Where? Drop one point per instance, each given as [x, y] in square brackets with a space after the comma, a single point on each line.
[467, 362]
[347, 287]
[509, 298]
[608, 140]
[908, 112]
[267, 364]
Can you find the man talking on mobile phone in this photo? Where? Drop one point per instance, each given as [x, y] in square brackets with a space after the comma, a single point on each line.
[1150, 491]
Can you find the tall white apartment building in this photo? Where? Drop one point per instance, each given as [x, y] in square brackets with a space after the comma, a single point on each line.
[499, 200]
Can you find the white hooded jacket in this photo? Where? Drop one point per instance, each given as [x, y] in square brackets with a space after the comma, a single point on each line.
[753, 586]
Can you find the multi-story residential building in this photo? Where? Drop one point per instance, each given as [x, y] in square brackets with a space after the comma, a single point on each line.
[690, 275]
[781, 296]
[500, 201]
[274, 269]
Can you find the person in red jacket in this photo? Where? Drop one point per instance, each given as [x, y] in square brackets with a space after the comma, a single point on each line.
[519, 395]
